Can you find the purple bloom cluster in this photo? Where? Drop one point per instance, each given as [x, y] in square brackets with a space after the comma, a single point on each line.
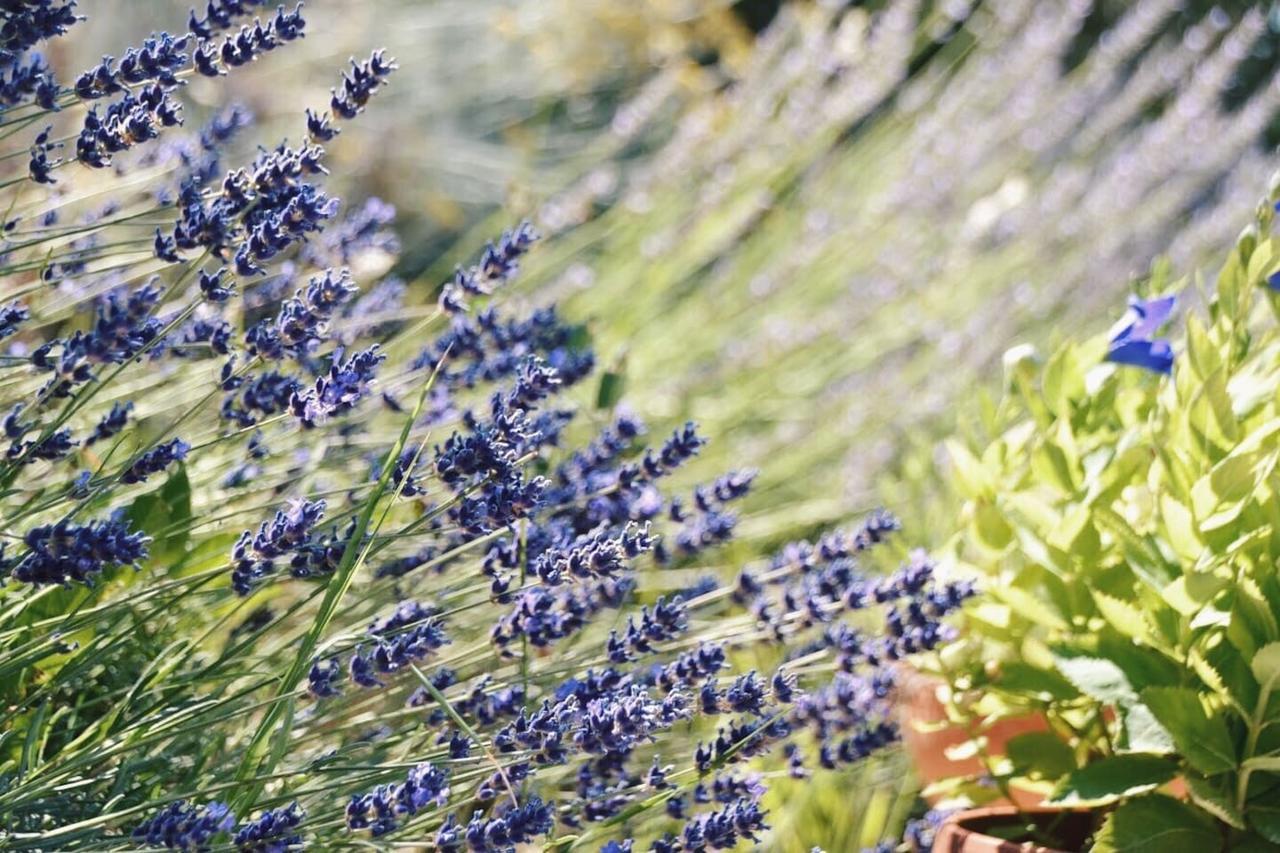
[498, 264]
[124, 324]
[272, 831]
[303, 320]
[65, 551]
[212, 60]
[722, 829]
[396, 651]
[515, 824]
[384, 808]
[359, 84]
[347, 382]
[111, 423]
[135, 118]
[286, 535]
[183, 826]
[155, 460]
[158, 59]
[666, 621]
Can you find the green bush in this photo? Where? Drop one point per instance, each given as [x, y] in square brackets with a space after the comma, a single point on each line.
[1126, 526]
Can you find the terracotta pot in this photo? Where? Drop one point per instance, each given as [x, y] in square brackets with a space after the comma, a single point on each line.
[926, 743]
[966, 832]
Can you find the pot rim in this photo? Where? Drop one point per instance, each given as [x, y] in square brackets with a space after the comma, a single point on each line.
[959, 820]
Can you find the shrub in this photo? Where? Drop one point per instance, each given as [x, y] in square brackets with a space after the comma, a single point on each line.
[1125, 522]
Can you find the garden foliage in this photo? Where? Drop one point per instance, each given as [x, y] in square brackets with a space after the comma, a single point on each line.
[1126, 519]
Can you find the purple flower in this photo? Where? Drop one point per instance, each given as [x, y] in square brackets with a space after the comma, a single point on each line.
[498, 265]
[65, 551]
[513, 825]
[272, 831]
[12, 315]
[725, 828]
[1133, 342]
[182, 826]
[338, 391]
[155, 460]
[323, 678]
[382, 809]
[288, 533]
[359, 84]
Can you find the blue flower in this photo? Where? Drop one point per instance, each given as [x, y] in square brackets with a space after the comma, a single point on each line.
[182, 826]
[155, 460]
[381, 810]
[360, 83]
[338, 391]
[271, 831]
[513, 825]
[65, 551]
[1133, 341]
[289, 532]
[12, 315]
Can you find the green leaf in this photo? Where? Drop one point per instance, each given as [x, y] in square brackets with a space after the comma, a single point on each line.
[975, 481]
[1218, 498]
[1157, 824]
[1042, 754]
[1113, 778]
[1179, 528]
[1265, 763]
[1201, 350]
[1099, 678]
[1217, 801]
[165, 516]
[1028, 606]
[1143, 732]
[1123, 616]
[1063, 380]
[1266, 820]
[989, 527]
[613, 384]
[1203, 740]
[1266, 666]
[1024, 679]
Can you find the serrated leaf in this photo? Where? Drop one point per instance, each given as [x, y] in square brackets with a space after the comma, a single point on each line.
[1266, 820]
[1123, 616]
[1143, 732]
[1216, 802]
[1042, 754]
[1203, 740]
[1266, 666]
[1156, 824]
[1098, 678]
[1113, 778]
[1042, 684]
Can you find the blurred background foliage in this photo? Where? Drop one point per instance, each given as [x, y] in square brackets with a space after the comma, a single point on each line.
[814, 227]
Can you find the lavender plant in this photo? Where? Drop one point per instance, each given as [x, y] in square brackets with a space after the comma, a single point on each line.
[293, 560]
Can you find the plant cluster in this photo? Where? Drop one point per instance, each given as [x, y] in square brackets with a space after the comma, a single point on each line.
[293, 559]
[1126, 514]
